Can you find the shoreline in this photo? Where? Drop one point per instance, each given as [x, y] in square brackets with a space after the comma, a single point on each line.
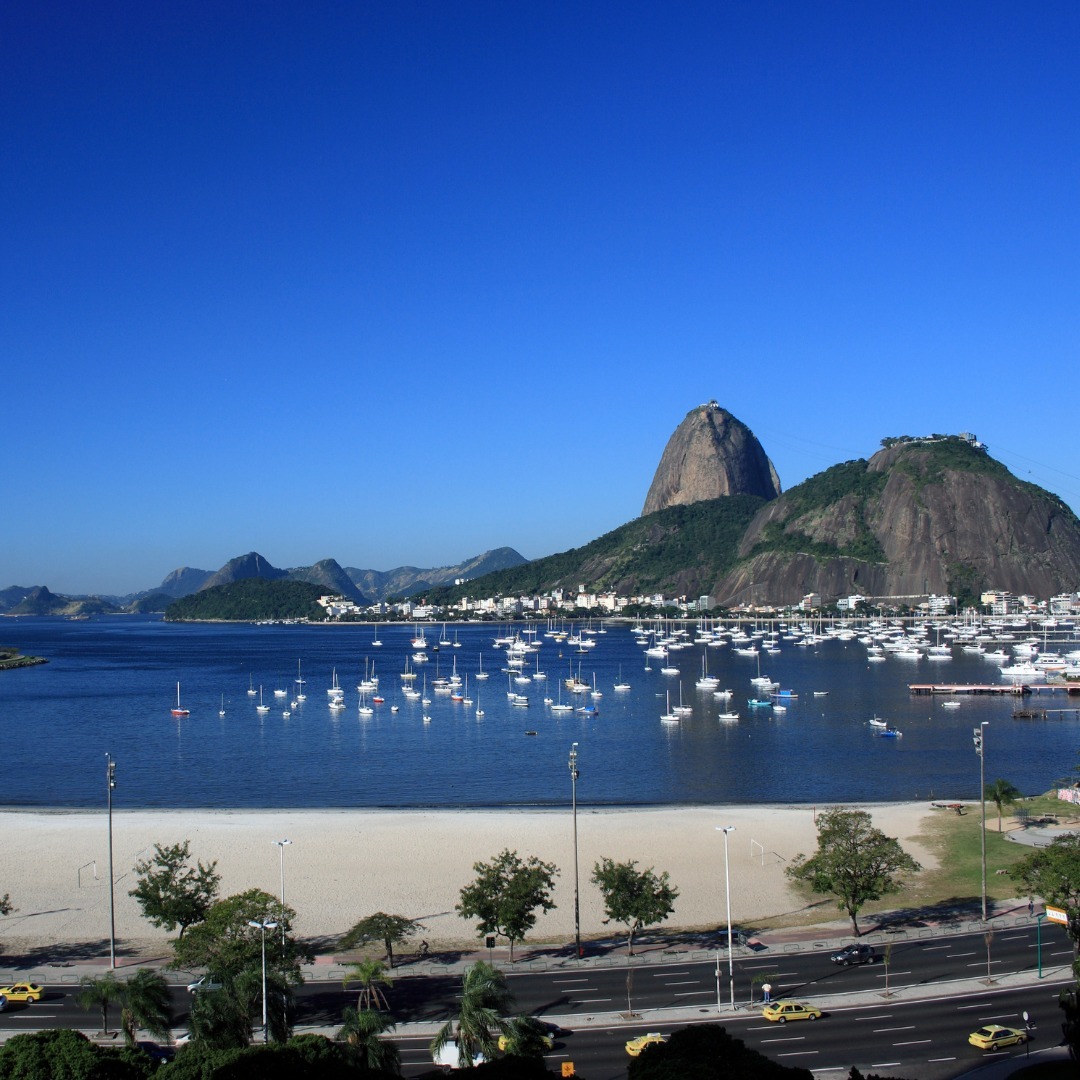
[344, 864]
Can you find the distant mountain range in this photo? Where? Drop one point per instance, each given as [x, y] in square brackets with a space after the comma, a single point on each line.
[361, 586]
[934, 514]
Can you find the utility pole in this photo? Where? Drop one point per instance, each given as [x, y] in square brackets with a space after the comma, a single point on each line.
[979, 737]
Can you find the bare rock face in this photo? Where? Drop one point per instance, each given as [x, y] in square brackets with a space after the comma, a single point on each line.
[710, 454]
[917, 524]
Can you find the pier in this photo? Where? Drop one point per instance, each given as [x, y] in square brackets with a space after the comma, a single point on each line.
[1016, 689]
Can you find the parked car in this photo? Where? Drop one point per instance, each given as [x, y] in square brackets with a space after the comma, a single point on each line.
[549, 1033]
[3, 1003]
[994, 1035]
[854, 954]
[781, 1012]
[207, 982]
[22, 992]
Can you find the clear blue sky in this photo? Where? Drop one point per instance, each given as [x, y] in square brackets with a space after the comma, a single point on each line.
[400, 282]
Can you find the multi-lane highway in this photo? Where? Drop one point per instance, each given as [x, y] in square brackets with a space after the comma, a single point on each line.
[861, 1024]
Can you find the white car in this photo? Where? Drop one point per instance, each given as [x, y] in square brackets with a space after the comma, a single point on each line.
[207, 982]
[448, 1056]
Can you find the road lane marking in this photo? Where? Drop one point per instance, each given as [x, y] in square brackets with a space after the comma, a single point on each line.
[684, 982]
[905, 1027]
[981, 1005]
[957, 955]
[892, 974]
[941, 1059]
[787, 1038]
[883, 1064]
[693, 993]
[798, 1053]
[576, 979]
[591, 1001]
[913, 1042]
[879, 1016]
[665, 974]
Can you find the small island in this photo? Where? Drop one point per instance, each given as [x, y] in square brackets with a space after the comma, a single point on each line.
[10, 657]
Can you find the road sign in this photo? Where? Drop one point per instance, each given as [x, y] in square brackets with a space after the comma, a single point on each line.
[1056, 914]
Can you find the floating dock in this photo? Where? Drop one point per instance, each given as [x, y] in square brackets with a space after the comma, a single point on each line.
[1015, 689]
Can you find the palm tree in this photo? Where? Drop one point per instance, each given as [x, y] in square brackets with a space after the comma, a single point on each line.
[1001, 793]
[479, 1021]
[527, 1037]
[145, 1003]
[99, 991]
[360, 1032]
[370, 974]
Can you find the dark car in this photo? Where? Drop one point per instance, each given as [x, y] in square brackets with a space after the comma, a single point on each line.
[854, 954]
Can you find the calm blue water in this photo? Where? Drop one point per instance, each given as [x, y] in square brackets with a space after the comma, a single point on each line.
[111, 682]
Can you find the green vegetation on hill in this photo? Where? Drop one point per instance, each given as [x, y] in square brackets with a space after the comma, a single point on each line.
[250, 599]
[649, 554]
[851, 481]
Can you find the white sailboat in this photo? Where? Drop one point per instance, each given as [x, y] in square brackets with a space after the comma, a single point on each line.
[669, 717]
[620, 685]
[300, 695]
[261, 708]
[221, 711]
[251, 687]
[481, 674]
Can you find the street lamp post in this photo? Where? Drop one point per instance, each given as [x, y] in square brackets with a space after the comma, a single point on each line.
[725, 829]
[979, 737]
[110, 783]
[263, 925]
[573, 797]
[1038, 948]
[281, 851]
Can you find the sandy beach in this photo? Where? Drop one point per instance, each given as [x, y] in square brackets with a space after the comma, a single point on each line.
[343, 865]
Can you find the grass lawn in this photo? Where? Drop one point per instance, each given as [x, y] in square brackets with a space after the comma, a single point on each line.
[952, 888]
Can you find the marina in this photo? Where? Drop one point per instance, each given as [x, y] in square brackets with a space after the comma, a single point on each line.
[400, 734]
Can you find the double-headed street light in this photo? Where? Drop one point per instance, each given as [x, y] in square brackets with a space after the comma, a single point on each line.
[725, 829]
[979, 738]
[281, 850]
[263, 925]
[573, 796]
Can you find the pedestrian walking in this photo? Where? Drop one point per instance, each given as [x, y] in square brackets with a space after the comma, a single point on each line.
[766, 991]
[1031, 905]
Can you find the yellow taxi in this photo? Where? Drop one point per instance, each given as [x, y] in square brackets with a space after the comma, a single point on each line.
[994, 1035]
[22, 992]
[635, 1046]
[781, 1012]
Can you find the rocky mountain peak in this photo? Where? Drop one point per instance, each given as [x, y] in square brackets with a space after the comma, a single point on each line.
[711, 454]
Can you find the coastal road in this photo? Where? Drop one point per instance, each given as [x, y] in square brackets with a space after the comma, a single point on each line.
[858, 1028]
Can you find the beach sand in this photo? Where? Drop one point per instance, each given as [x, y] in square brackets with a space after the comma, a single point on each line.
[344, 865]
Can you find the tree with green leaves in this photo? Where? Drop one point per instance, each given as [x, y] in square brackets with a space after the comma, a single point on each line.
[479, 1020]
[391, 930]
[635, 898]
[854, 861]
[1053, 872]
[1001, 793]
[225, 943]
[172, 892]
[361, 1031]
[371, 975]
[507, 894]
[145, 1003]
[60, 1052]
[99, 992]
[5, 904]
[526, 1037]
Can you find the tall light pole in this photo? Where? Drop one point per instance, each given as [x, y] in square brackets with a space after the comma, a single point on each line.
[281, 851]
[110, 783]
[573, 797]
[725, 829]
[263, 925]
[979, 736]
